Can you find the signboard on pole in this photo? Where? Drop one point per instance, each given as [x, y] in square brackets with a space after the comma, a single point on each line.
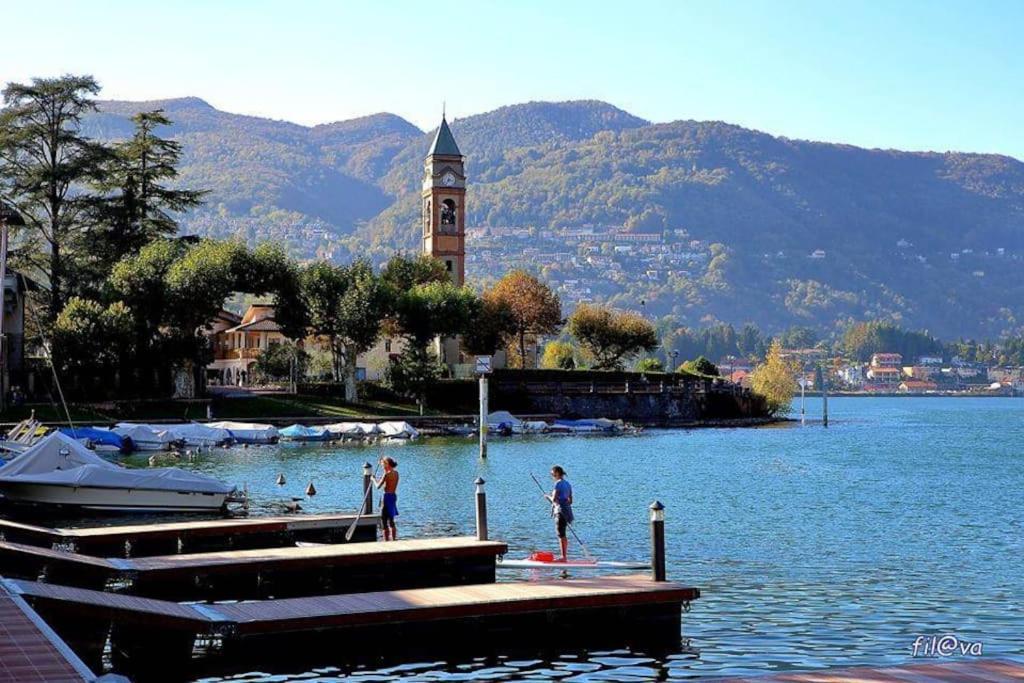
[483, 365]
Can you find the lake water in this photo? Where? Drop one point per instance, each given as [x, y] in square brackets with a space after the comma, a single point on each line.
[812, 547]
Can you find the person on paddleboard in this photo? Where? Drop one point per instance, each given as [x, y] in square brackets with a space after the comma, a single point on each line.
[389, 503]
[561, 508]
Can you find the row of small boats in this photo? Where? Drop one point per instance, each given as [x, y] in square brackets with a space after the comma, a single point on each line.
[504, 422]
[343, 431]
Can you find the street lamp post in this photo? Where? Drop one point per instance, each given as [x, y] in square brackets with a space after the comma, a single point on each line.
[8, 217]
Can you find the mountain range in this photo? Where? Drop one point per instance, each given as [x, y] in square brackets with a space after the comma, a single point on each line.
[804, 233]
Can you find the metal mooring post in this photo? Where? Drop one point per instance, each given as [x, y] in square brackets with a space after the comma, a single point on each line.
[367, 485]
[657, 541]
[481, 510]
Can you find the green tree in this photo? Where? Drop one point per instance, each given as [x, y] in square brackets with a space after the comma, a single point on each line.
[750, 342]
[422, 314]
[559, 355]
[401, 273]
[775, 380]
[611, 336]
[278, 361]
[46, 168]
[798, 338]
[490, 328]
[534, 308]
[701, 367]
[344, 305]
[650, 364]
[92, 337]
[143, 205]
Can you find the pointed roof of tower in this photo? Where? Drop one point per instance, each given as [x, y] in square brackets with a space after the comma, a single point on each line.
[444, 141]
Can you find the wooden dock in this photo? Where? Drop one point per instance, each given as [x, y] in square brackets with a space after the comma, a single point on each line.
[30, 652]
[266, 572]
[139, 540]
[541, 612]
[977, 670]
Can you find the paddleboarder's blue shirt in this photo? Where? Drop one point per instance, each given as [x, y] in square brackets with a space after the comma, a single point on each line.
[563, 494]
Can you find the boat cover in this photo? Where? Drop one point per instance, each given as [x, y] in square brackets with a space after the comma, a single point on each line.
[95, 435]
[144, 434]
[398, 430]
[353, 428]
[248, 432]
[58, 459]
[299, 432]
[502, 419]
[598, 424]
[196, 434]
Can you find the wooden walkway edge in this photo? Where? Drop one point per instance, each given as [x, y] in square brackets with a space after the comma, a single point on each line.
[30, 652]
[174, 537]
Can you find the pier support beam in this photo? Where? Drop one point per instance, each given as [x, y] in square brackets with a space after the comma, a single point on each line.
[657, 541]
[481, 510]
[367, 486]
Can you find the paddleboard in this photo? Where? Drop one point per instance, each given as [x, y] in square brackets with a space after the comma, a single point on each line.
[571, 564]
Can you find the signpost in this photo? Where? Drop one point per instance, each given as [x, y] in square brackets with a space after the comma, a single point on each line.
[803, 413]
[483, 368]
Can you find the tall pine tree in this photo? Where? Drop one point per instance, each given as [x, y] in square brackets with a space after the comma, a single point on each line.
[46, 169]
[142, 204]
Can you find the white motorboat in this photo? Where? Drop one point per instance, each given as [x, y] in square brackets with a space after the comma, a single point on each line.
[196, 435]
[247, 432]
[60, 471]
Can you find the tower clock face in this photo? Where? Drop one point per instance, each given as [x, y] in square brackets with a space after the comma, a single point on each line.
[448, 179]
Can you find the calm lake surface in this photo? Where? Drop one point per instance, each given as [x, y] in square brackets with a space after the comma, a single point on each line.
[812, 547]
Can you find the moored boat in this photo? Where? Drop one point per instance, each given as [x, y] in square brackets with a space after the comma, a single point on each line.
[248, 432]
[60, 471]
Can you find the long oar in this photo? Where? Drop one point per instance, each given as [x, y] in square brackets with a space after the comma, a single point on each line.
[369, 492]
[579, 540]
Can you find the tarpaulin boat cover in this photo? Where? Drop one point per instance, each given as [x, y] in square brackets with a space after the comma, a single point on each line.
[500, 419]
[248, 432]
[353, 428]
[195, 434]
[97, 436]
[59, 459]
[398, 430]
[144, 434]
[303, 433]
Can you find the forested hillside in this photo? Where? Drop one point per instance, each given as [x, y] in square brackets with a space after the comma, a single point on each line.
[796, 232]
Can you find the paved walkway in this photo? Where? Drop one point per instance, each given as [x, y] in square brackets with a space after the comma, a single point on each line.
[30, 652]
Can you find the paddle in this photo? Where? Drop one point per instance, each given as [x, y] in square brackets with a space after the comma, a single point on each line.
[579, 540]
[369, 493]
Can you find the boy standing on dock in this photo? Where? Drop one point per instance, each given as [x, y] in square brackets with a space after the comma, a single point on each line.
[389, 503]
[561, 508]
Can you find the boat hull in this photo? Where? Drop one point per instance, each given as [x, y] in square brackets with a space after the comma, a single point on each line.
[112, 500]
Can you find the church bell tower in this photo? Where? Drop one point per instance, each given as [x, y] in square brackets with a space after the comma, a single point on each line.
[444, 204]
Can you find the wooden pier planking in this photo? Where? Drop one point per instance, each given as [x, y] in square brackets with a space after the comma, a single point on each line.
[361, 609]
[30, 652]
[172, 537]
[264, 572]
[980, 670]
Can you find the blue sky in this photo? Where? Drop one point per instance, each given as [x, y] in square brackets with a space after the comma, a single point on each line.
[906, 74]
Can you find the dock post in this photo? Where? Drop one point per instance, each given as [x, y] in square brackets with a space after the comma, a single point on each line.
[657, 541]
[483, 415]
[367, 485]
[481, 510]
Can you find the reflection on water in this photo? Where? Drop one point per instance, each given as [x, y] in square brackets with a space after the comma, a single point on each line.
[812, 547]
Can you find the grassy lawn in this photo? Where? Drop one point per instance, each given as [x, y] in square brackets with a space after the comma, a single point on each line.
[248, 408]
